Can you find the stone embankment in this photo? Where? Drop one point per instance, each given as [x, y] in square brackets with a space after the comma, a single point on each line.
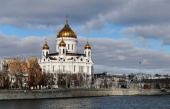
[70, 93]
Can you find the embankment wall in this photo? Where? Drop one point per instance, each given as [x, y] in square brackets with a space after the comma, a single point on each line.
[69, 93]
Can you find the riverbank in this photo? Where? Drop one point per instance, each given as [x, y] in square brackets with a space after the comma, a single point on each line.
[71, 93]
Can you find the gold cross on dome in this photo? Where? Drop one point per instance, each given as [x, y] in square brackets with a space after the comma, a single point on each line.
[66, 19]
[45, 40]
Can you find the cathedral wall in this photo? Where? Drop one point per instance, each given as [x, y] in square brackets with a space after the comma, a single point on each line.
[71, 44]
[66, 59]
[66, 67]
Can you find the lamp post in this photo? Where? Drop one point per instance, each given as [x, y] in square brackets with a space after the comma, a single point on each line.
[140, 74]
[140, 67]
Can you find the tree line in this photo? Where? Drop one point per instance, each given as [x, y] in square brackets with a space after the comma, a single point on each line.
[20, 73]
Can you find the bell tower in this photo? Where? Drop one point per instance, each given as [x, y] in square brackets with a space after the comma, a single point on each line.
[62, 48]
[45, 49]
[87, 50]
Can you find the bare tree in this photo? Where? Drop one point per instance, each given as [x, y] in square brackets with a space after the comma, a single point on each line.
[17, 69]
[44, 80]
[67, 80]
[34, 73]
[4, 80]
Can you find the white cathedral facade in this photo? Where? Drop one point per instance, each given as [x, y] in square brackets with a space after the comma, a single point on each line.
[66, 61]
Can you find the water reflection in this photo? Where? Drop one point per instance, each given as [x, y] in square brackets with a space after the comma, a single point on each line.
[116, 102]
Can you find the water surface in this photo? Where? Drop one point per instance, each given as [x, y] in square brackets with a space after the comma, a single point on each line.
[114, 102]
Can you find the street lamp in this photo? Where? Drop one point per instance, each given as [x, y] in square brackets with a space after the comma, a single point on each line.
[140, 67]
[140, 74]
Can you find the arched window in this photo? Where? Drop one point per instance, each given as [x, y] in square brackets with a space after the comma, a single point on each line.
[89, 53]
[63, 51]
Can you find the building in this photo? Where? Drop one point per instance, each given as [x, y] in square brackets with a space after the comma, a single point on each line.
[14, 73]
[66, 62]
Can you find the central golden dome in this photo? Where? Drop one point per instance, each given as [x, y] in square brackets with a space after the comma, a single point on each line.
[66, 31]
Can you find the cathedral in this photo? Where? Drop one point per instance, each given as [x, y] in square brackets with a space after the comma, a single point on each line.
[68, 68]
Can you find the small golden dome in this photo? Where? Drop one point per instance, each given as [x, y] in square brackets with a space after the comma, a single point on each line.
[66, 31]
[46, 45]
[62, 43]
[87, 46]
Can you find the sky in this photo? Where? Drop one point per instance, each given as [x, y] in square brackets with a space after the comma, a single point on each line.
[122, 33]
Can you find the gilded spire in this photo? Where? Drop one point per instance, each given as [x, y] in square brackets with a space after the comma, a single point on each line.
[66, 31]
[62, 43]
[87, 46]
[45, 45]
[45, 41]
[66, 19]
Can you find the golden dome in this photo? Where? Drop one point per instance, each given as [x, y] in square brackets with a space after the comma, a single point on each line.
[62, 43]
[87, 46]
[46, 45]
[66, 31]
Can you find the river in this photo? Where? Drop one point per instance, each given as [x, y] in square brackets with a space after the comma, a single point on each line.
[112, 102]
